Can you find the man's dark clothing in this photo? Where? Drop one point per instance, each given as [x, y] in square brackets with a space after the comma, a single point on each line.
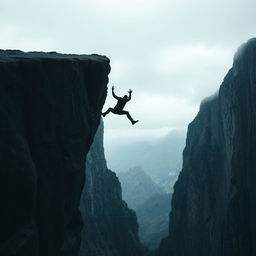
[118, 109]
[120, 104]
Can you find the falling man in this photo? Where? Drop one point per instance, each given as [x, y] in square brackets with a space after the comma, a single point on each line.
[118, 109]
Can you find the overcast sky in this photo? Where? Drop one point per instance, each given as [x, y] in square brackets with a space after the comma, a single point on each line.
[172, 53]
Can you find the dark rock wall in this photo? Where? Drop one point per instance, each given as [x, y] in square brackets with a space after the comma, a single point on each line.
[50, 106]
[214, 201]
[110, 228]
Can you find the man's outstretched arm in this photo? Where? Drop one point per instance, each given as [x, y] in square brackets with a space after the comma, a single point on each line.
[116, 97]
[130, 95]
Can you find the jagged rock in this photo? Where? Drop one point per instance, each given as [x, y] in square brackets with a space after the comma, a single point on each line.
[110, 228]
[50, 107]
[214, 201]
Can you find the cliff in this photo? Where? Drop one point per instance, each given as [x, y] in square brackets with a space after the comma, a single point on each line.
[50, 106]
[214, 201]
[110, 228]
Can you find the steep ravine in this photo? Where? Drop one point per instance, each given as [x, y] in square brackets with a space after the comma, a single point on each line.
[150, 202]
[110, 228]
[50, 107]
[214, 201]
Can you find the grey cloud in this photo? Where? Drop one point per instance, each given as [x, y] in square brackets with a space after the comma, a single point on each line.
[75, 27]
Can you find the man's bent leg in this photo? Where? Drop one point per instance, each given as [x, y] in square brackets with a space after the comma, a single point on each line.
[123, 112]
[107, 112]
[130, 118]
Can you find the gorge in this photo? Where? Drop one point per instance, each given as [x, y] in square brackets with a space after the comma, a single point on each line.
[110, 227]
[50, 108]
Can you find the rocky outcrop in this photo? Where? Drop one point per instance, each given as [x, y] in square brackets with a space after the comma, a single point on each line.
[50, 106]
[110, 227]
[214, 201]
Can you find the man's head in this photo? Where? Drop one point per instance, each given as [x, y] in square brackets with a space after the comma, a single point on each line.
[125, 97]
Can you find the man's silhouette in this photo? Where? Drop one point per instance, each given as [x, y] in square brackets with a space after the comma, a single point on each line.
[118, 109]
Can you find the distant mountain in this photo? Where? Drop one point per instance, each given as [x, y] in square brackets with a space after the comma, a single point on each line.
[153, 218]
[162, 159]
[137, 187]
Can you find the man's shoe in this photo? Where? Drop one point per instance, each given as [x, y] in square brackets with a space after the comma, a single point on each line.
[134, 122]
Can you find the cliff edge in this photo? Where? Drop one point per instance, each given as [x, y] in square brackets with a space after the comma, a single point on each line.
[50, 107]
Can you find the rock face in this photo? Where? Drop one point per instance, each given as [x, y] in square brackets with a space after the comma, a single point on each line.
[50, 107]
[110, 228]
[214, 201]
